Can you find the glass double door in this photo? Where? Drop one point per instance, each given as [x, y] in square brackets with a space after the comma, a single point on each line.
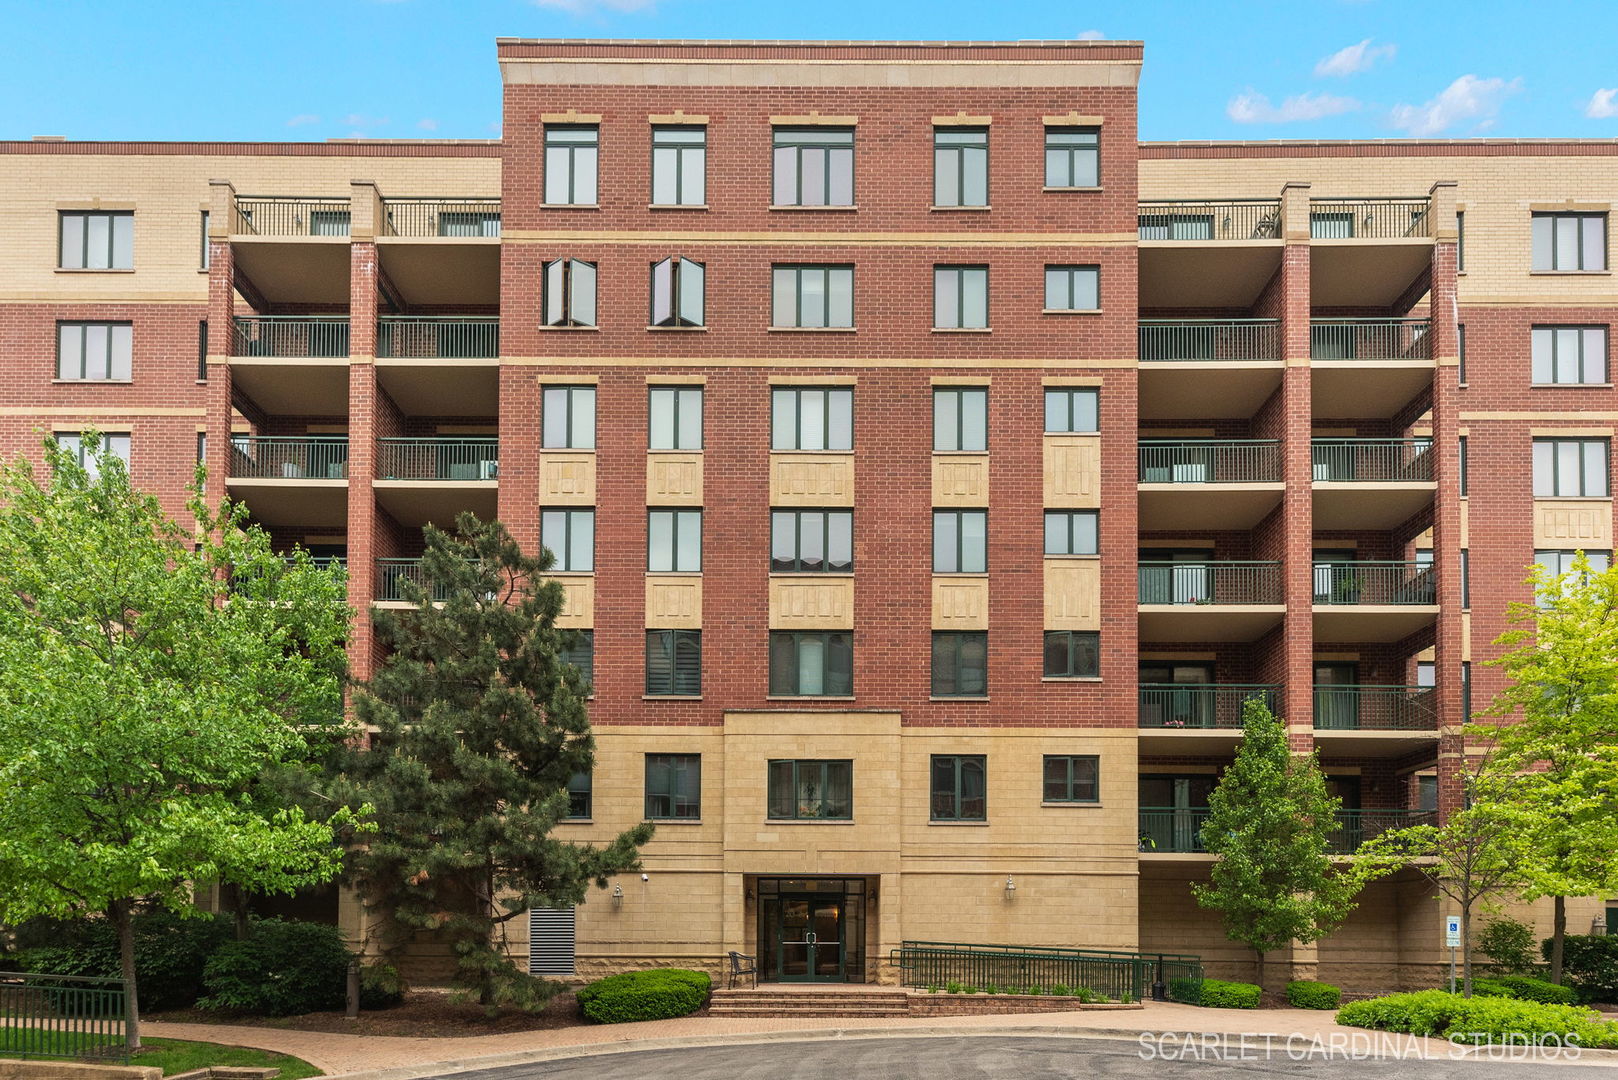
[809, 941]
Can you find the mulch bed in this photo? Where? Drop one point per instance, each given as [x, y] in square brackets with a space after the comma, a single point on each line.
[423, 1014]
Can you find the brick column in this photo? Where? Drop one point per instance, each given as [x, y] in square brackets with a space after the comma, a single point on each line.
[1296, 427]
[221, 333]
[362, 400]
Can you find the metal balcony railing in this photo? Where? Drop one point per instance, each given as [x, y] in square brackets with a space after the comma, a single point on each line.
[1210, 219]
[289, 457]
[390, 572]
[1370, 339]
[1210, 583]
[297, 336]
[1374, 708]
[1374, 582]
[1390, 461]
[1178, 830]
[433, 215]
[1370, 218]
[291, 215]
[1355, 827]
[1209, 461]
[323, 562]
[458, 337]
[438, 458]
[1202, 705]
[1209, 339]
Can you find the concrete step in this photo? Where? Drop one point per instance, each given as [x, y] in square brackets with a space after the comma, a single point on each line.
[810, 1003]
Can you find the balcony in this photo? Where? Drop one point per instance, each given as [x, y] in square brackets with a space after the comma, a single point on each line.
[1208, 483]
[299, 337]
[438, 337]
[1197, 718]
[440, 365]
[291, 215]
[291, 479]
[464, 218]
[1372, 600]
[422, 480]
[389, 574]
[1366, 252]
[1207, 253]
[1354, 721]
[1370, 219]
[442, 251]
[1370, 483]
[1355, 827]
[1211, 220]
[292, 365]
[1207, 368]
[294, 249]
[1225, 600]
[1167, 830]
[1368, 367]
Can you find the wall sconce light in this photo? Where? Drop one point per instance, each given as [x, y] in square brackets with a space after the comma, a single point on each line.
[1011, 888]
[617, 896]
[1598, 927]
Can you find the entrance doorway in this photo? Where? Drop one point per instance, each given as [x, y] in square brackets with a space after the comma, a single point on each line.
[810, 939]
[812, 929]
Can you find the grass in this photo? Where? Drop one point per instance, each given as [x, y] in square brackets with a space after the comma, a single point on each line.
[170, 1055]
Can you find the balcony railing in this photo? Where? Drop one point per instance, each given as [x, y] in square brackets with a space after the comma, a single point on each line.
[1202, 705]
[1178, 830]
[1369, 219]
[390, 572]
[1389, 461]
[1374, 582]
[291, 215]
[1209, 339]
[1355, 827]
[1370, 339]
[438, 458]
[289, 457]
[1210, 219]
[1210, 583]
[436, 216]
[459, 337]
[1209, 461]
[1374, 708]
[323, 562]
[296, 336]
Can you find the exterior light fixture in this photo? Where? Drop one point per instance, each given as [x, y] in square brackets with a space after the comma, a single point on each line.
[617, 896]
[1011, 888]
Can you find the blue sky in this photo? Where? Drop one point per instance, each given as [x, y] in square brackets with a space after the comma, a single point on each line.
[1215, 69]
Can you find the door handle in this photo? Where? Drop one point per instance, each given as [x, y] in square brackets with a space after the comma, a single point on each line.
[809, 938]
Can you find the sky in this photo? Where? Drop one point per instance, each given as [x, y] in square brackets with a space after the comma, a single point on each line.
[302, 70]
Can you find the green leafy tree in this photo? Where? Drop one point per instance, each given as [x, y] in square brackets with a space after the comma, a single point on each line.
[1270, 822]
[150, 677]
[480, 724]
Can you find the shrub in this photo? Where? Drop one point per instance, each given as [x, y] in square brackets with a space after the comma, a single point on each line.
[281, 968]
[658, 994]
[381, 986]
[1217, 994]
[1510, 944]
[1482, 1020]
[170, 952]
[1590, 962]
[1186, 991]
[1525, 988]
[1058, 990]
[1307, 994]
[953, 987]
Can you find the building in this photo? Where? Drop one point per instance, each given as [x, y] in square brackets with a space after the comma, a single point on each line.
[934, 467]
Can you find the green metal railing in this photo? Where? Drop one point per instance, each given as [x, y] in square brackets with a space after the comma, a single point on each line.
[291, 215]
[1202, 705]
[1210, 583]
[433, 215]
[297, 336]
[1120, 976]
[1209, 461]
[1374, 582]
[1373, 460]
[1355, 827]
[289, 457]
[1172, 830]
[1209, 339]
[1374, 708]
[1370, 339]
[1370, 218]
[438, 458]
[1209, 219]
[391, 572]
[438, 336]
[63, 1016]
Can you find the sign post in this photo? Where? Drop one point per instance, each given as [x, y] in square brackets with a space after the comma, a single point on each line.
[1452, 938]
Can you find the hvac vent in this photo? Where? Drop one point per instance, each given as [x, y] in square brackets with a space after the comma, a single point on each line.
[550, 941]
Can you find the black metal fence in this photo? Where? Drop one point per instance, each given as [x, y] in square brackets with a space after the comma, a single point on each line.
[1120, 976]
[63, 1016]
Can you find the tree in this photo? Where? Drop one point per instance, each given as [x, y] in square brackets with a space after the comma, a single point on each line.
[1270, 822]
[480, 724]
[149, 676]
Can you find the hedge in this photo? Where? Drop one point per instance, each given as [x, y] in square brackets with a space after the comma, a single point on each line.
[170, 952]
[279, 969]
[1524, 988]
[1485, 1020]
[658, 994]
[1217, 994]
[1308, 994]
[1590, 963]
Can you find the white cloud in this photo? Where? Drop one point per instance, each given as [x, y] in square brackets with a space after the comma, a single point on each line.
[1255, 108]
[427, 123]
[303, 118]
[596, 7]
[1090, 35]
[1468, 98]
[1354, 59]
[1602, 105]
[360, 120]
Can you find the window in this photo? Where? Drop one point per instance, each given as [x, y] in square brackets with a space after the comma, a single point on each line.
[1559, 563]
[679, 166]
[960, 541]
[677, 292]
[1570, 242]
[1569, 354]
[674, 662]
[579, 796]
[812, 541]
[329, 222]
[99, 240]
[580, 651]
[1426, 674]
[811, 664]
[202, 350]
[202, 447]
[1466, 578]
[1071, 532]
[960, 663]
[570, 293]
[673, 786]
[959, 788]
[814, 167]
[1466, 690]
[569, 418]
[1072, 157]
[1174, 226]
[1072, 654]
[960, 419]
[676, 418]
[960, 166]
[1427, 792]
[813, 296]
[1072, 778]
[570, 165]
[205, 261]
[673, 541]
[570, 536]
[1075, 409]
[114, 442]
[468, 223]
[1072, 288]
[811, 790]
[1570, 467]
[960, 297]
[1460, 343]
[1331, 224]
[1460, 244]
[93, 351]
[811, 418]
[1462, 469]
